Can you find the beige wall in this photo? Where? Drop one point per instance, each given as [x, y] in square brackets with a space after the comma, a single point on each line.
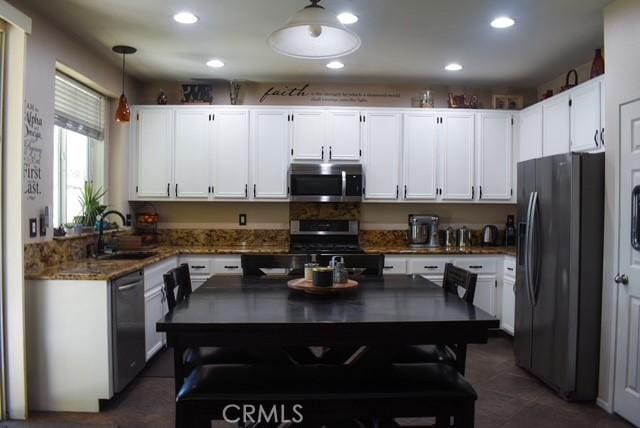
[198, 215]
[219, 215]
[380, 95]
[48, 45]
[584, 74]
[394, 216]
[622, 62]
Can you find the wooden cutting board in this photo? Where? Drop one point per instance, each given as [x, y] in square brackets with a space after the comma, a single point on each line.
[308, 287]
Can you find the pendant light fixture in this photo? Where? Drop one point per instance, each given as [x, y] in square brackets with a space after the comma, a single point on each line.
[123, 113]
[314, 33]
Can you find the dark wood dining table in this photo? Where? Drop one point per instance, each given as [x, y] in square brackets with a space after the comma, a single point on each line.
[383, 312]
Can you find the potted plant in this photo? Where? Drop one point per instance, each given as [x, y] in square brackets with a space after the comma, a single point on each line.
[90, 203]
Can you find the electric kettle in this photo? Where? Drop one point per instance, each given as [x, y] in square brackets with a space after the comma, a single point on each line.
[489, 235]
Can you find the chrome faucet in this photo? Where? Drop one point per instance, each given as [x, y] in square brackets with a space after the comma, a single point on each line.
[100, 243]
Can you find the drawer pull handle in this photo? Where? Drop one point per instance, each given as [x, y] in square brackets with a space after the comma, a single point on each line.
[198, 267]
[431, 267]
[511, 269]
[231, 267]
[475, 267]
[388, 267]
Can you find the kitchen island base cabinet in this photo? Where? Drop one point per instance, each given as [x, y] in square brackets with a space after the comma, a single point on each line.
[68, 325]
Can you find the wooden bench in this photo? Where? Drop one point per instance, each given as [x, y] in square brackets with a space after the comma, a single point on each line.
[325, 391]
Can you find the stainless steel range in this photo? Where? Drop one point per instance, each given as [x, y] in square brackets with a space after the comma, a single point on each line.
[324, 237]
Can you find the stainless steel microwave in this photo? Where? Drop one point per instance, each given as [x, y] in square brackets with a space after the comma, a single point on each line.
[325, 182]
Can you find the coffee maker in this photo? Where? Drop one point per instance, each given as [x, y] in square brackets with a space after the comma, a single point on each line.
[423, 230]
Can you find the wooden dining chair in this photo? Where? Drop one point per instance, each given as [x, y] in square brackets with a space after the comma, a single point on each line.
[177, 287]
[182, 277]
[455, 278]
[293, 264]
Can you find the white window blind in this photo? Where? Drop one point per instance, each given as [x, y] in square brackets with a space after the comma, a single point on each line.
[79, 108]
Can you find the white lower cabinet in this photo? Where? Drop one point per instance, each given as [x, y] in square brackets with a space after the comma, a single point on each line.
[202, 267]
[154, 309]
[199, 269]
[508, 313]
[486, 293]
[395, 265]
[227, 265]
[432, 268]
[155, 304]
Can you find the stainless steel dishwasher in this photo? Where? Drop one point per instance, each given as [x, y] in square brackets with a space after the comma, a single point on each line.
[127, 328]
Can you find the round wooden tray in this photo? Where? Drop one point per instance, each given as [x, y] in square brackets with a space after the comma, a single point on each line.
[308, 287]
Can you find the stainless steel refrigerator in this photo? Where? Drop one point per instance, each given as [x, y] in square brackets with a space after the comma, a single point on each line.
[559, 271]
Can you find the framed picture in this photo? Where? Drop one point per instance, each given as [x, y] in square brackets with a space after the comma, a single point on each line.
[508, 102]
[197, 94]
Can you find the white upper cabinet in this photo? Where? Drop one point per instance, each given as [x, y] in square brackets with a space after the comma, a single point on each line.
[270, 150]
[230, 157]
[191, 159]
[602, 115]
[382, 140]
[555, 125]
[457, 146]
[308, 135]
[420, 156]
[586, 117]
[343, 135]
[154, 137]
[531, 133]
[494, 156]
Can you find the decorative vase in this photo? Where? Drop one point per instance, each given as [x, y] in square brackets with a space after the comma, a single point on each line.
[597, 67]
[234, 92]
[162, 98]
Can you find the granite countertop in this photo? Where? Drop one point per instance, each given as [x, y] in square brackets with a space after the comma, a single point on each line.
[405, 249]
[105, 269]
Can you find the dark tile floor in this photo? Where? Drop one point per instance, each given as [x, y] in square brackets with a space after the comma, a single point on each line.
[509, 397]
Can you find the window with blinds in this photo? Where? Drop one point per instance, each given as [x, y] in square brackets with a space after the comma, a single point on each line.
[78, 108]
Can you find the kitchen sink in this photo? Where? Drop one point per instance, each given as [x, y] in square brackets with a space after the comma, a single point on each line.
[134, 255]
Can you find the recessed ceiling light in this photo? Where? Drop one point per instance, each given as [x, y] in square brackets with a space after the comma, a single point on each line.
[454, 66]
[215, 63]
[335, 65]
[185, 18]
[502, 22]
[347, 18]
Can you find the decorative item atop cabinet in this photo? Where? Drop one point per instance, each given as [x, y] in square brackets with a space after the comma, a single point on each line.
[462, 101]
[425, 100]
[197, 94]
[508, 102]
[162, 98]
[597, 67]
[547, 94]
[234, 91]
[568, 85]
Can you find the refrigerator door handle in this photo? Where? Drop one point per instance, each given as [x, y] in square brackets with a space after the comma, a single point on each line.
[527, 251]
[534, 255]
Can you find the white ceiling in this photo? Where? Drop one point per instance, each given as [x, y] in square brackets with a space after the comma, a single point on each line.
[402, 40]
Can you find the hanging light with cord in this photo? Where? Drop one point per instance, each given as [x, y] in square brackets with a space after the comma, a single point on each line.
[314, 33]
[123, 113]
